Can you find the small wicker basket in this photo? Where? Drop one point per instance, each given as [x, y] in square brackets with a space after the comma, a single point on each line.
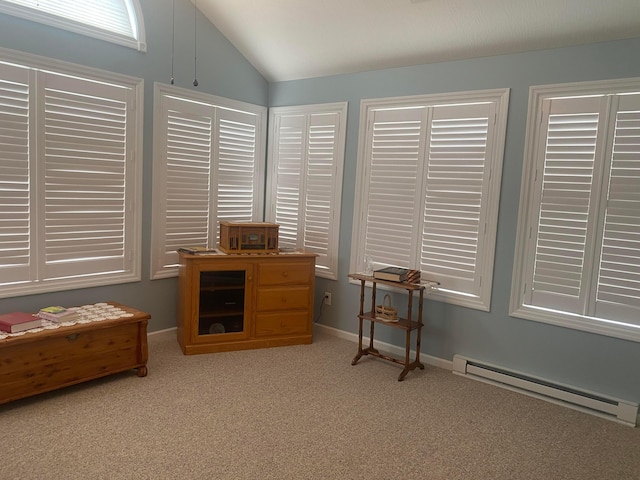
[385, 311]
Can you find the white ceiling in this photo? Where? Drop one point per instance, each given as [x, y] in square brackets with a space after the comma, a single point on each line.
[295, 39]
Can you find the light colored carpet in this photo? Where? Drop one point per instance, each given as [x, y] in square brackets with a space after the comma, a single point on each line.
[303, 412]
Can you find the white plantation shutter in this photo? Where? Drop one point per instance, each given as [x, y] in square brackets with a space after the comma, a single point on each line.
[15, 190]
[396, 151]
[565, 203]
[236, 174]
[618, 284]
[187, 156]
[455, 192]
[321, 188]
[207, 168]
[290, 145]
[85, 154]
[307, 157]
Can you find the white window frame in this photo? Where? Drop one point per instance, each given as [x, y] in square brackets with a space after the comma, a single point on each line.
[65, 19]
[41, 274]
[585, 319]
[164, 260]
[312, 172]
[479, 295]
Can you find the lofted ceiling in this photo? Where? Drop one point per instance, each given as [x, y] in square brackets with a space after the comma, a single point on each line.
[296, 39]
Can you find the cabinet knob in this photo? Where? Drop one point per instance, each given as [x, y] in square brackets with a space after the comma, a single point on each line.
[285, 274]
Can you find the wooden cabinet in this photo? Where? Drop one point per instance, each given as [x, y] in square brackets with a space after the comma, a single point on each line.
[239, 302]
[46, 360]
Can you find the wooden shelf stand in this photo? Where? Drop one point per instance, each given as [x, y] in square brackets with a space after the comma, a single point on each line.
[407, 324]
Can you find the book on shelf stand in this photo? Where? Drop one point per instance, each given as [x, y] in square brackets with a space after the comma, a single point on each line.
[397, 274]
[393, 274]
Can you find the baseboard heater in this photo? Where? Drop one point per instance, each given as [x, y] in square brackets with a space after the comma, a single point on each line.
[621, 411]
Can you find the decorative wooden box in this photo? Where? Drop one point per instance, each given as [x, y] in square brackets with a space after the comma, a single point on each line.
[253, 237]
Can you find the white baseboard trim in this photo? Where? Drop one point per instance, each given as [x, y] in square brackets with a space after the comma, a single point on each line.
[353, 337]
[386, 347]
[156, 332]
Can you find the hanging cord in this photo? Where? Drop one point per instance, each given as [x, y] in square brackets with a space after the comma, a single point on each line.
[173, 39]
[195, 11]
[320, 312]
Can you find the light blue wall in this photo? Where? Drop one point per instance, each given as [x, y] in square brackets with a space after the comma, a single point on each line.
[221, 70]
[594, 362]
[590, 361]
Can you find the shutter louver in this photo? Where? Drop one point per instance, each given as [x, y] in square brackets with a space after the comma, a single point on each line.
[188, 164]
[290, 167]
[453, 195]
[85, 159]
[619, 273]
[396, 143]
[15, 203]
[235, 175]
[567, 179]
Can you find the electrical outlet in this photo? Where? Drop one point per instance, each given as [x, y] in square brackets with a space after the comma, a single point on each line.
[327, 298]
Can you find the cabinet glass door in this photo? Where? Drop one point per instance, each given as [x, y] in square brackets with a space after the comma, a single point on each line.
[221, 309]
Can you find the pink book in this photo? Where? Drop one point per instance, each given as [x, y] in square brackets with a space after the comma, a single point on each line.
[18, 321]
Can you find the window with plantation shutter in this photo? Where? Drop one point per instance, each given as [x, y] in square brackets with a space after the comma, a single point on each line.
[577, 258]
[117, 21]
[429, 171]
[208, 167]
[71, 172]
[306, 158]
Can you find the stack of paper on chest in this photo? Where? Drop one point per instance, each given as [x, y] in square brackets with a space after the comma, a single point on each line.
[59, 314]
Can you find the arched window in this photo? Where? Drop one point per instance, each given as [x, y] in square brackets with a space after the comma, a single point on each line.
[117, 21]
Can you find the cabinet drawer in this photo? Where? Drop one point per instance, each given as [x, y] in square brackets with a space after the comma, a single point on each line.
[268, 324]
[290, 298]
[284, 273]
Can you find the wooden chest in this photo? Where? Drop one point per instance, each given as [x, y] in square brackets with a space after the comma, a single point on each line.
[50, 359]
